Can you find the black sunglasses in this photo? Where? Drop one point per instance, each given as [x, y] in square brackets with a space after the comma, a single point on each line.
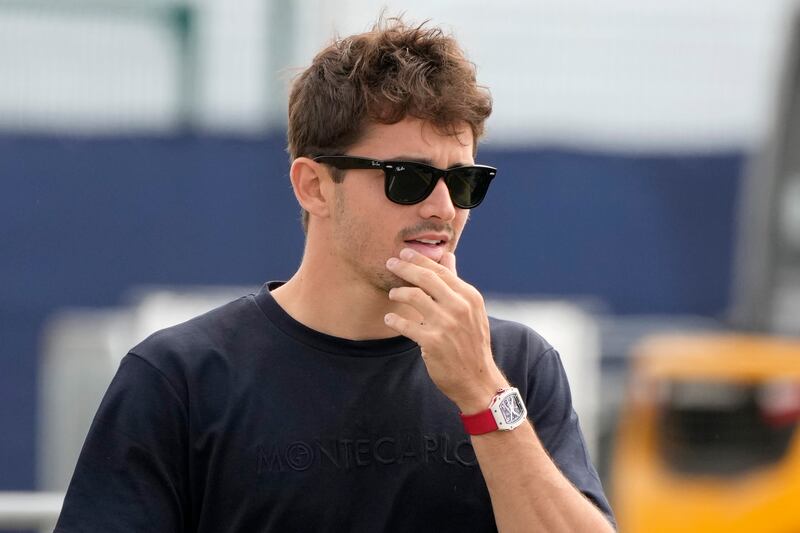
[409, 182]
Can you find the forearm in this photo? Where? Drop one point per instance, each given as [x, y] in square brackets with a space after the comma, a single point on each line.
[528, 491]
[452, 329]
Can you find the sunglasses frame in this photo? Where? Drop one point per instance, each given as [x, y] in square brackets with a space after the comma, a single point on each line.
[347, 162]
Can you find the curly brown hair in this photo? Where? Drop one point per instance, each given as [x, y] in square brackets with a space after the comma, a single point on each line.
[382, 76]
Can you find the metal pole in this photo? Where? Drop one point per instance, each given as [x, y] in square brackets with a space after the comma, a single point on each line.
[183, 20]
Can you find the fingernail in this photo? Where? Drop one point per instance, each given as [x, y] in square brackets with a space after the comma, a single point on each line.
[406, 253]
[392, 261]
[386, 318]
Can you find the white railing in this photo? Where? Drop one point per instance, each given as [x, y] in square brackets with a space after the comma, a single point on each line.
[29, 509]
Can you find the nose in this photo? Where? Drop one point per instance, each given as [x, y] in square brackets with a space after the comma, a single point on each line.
[438, 204]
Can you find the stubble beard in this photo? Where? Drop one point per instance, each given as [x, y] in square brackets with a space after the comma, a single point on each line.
[354, 247]
[354, 240]
[376, 275]
[388, 281]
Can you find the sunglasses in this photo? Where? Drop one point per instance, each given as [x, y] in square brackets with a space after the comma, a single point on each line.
[409, 182]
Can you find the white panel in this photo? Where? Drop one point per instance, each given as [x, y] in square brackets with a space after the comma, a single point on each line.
[62, 70]
[682, 74]
[669, 75]
[233, 64]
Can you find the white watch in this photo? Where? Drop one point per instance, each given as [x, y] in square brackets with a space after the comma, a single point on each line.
[506, 411]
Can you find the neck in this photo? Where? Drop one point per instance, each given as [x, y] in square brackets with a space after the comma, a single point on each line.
[329, 299]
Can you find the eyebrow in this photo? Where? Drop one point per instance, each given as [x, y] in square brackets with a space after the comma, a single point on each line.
[425, 161]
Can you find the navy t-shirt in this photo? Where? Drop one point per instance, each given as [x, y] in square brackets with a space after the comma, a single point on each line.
[245, 420]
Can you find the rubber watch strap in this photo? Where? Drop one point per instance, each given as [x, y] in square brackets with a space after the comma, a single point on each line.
[479, 423]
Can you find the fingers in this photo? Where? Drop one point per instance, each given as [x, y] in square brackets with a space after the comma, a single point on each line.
[432, 277]
[404, 327]
[441, 269]
[415, 297]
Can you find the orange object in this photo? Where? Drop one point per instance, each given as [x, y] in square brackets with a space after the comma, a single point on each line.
[708, 438]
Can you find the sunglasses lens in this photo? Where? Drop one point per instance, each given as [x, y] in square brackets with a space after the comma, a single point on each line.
[408, 184]
[468, 186]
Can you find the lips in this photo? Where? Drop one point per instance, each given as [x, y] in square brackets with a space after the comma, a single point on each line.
[431, 246]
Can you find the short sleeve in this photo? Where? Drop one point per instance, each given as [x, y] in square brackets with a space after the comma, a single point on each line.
[132, 471]
[556, 424]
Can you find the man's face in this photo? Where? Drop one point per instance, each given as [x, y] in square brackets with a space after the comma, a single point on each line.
[368, 228]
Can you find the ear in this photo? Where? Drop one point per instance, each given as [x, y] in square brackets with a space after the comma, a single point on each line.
[312, 186]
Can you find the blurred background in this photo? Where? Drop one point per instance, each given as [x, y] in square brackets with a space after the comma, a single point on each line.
[647, 208]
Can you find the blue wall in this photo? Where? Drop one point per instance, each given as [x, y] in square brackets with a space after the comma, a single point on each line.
[82, 220]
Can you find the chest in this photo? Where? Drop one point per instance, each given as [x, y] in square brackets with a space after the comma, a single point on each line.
[340, 449]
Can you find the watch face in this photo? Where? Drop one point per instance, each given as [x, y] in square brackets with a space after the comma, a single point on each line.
[512, 409]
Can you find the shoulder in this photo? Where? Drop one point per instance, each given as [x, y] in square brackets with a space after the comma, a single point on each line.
[535, 368]
[203, 341]
[513, 338]
[525, 357]
[206, 329]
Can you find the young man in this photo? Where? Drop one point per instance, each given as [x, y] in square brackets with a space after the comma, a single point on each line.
[355, 396]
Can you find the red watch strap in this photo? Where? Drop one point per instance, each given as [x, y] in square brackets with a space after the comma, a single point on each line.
[479, 423]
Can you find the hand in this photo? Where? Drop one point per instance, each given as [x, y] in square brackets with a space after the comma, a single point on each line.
[454, 332]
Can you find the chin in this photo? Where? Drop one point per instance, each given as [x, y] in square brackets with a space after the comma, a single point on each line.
[388, 281]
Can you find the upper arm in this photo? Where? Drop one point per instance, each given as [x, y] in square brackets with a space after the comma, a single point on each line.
[131, 473]
[556, 424]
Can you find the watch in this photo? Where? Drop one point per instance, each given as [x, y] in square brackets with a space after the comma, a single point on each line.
[506, 411]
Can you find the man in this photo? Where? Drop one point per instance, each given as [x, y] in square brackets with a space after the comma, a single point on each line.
[355, 396]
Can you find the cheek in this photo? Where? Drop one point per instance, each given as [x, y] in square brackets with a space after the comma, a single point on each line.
[462, 215]
[363, 230]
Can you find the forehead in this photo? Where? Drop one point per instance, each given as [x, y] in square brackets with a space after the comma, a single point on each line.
[412, 137]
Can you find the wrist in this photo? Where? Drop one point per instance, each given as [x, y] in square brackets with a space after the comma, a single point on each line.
[480, 397]
[506, 411]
